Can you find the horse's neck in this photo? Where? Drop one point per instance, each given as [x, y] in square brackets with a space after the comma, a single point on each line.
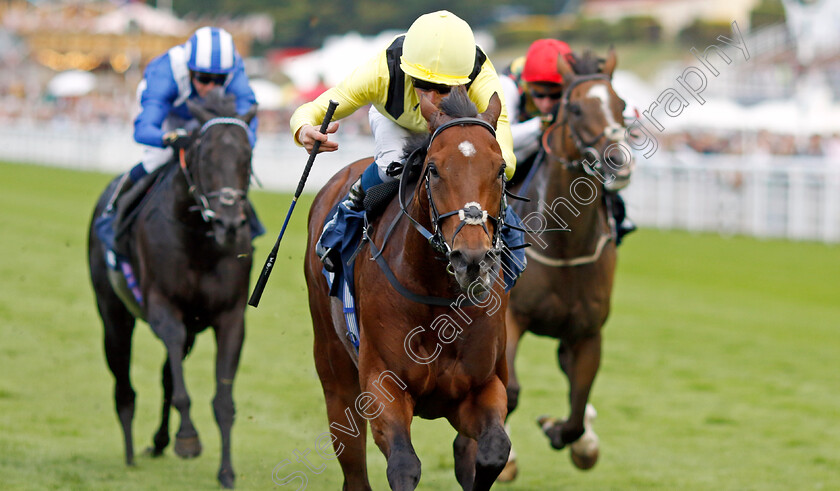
[419, 262]
[564, 200]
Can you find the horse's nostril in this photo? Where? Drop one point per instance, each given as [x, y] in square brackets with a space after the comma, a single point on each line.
[457, 259]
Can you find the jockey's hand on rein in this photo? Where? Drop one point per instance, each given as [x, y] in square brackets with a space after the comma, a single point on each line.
[177, 139]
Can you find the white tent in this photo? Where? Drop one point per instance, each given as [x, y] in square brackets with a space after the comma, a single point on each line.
[146, 18]
[71, 83]
[269, 95]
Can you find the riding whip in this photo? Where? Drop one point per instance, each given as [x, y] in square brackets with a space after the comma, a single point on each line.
[254, 301]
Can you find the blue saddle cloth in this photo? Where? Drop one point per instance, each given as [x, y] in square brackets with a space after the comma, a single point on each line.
[347, 234]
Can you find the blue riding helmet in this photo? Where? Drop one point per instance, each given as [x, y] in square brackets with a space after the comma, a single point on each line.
[211, 50]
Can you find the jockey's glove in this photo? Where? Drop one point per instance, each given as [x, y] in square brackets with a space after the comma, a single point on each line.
[177, 139]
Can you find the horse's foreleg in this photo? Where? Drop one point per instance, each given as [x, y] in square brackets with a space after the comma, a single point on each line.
[481, 437]
[230, 333]
[391, 430]
[580, 362]
[168, 326]
[161, 438]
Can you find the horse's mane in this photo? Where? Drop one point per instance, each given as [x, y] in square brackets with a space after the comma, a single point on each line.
[219, 103]
[586, 64]
[457, 105]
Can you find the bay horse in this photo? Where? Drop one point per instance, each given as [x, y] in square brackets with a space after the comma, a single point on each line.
[421, 358]
[191, 254]
[565, 292]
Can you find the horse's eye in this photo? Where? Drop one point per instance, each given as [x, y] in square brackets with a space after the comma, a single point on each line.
[574, 109]
[433, 170]
[502, 170]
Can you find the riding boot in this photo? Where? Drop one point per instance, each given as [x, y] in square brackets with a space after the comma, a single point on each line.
[623, 224]
[104, 225]
[354, 201]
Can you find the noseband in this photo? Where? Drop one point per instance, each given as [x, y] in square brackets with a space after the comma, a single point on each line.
[227, 196]
[470, 214]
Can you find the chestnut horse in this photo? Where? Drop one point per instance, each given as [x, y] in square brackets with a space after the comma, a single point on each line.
[415, 358]
[565, 292]
[191, 252]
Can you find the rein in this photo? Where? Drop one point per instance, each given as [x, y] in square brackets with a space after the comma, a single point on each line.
[583, 147]
[471, 214]
[227, 196]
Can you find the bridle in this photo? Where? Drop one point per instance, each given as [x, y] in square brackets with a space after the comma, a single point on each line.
[470, 214]
[227, 196]
[584, 147]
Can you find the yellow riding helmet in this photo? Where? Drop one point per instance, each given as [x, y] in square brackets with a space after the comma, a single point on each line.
[439, 48]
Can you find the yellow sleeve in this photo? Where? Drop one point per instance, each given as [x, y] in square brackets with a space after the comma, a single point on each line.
[365, 85]
[482, 89]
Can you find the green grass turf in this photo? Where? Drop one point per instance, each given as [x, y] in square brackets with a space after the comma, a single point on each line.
[720, 367]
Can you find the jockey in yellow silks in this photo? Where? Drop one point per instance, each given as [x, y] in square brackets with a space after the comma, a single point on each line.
[437, 53]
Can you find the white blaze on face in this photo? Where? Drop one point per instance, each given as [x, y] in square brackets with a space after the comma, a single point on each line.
[613, 129]
[466, 148]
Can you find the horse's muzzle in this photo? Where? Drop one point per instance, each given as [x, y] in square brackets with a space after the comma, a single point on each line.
[227, 226]
[472, 269]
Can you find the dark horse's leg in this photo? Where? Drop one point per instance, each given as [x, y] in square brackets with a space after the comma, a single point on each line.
[161, 438]
[166, 323]
[230, 333]
[580, 363]
[119, 327]
[482, 446]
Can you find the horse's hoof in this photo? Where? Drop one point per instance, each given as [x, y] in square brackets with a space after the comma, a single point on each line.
[226, 479]
[129, 462]
[551, 427]
[584, 462]
[187, 448]
[584, 451]
[153, 452]
[509, 472]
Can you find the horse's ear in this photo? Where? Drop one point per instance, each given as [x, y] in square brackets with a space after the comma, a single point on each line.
[565, 70]
[430, 112]
[609, 65]
[494, 110]
[248, 116]
[201, 114]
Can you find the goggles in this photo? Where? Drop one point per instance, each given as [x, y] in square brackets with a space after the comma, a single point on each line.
[208, 78]
[428, 86]
[554, 96]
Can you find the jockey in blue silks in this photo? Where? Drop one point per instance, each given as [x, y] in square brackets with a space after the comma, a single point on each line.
[188, 71]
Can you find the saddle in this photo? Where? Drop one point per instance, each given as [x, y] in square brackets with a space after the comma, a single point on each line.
[131, 203]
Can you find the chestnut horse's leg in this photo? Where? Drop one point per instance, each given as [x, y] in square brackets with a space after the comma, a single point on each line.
[580, 363]
[514, 333]
[166, 323]
[340, 381]
[391, 431]
[482, 446]
[230, 332]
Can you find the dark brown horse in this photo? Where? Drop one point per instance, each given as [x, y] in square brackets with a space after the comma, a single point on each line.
[419, 358]
[565, 292]
[191, 252]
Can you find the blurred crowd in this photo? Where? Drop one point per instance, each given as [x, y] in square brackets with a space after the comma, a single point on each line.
[753, 143]
[117, 108]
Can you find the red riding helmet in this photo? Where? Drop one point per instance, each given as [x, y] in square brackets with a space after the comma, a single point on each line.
[541, 61]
